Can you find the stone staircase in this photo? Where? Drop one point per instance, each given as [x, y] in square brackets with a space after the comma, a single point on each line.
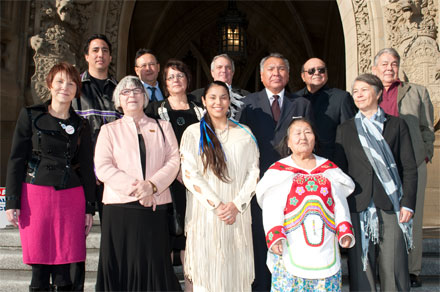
[15, 276]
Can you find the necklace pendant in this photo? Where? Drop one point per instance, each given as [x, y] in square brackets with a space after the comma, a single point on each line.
[180, 121]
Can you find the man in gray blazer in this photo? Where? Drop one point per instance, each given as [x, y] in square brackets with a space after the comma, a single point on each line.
[411, 102]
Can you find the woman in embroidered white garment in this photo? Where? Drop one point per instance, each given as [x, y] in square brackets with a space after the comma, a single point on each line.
[220, 170]
[376, 150]
[305, 215]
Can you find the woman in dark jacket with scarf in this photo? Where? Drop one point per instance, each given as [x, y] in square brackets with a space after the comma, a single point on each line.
[375, 150]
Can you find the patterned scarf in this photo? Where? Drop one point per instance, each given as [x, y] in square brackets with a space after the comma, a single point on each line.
[381, 159]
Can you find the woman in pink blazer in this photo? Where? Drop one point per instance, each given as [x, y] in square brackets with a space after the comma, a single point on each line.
[137, 159]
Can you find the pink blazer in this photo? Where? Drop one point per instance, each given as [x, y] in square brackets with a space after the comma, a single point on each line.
[118, 163]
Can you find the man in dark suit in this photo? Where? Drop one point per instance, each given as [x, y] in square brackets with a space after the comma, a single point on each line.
[268, 113]
[223, 69]
[331, 106]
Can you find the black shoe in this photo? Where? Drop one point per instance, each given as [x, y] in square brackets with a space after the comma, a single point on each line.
[415, 281]
[37, 289]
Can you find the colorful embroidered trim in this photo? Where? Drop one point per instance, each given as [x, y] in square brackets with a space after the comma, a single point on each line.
[274, 234]
[294, 219]
[344, 228]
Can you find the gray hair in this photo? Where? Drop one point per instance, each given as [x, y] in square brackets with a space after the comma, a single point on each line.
[222, 56]
[274, 55]
[371, 80]
[123, 84]
[390, 51]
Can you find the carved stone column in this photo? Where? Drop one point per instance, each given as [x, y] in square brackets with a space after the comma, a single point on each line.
[364, 35]
[62, 23]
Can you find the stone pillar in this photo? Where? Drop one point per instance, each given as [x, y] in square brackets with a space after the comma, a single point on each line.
[62, 25]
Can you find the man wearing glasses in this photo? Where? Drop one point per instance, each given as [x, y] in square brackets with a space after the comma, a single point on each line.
[147, 68]
[268, 113]
[331, 106]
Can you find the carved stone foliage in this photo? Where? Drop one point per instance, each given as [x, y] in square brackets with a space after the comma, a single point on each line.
[408, 20]
[112, 26]
[363, 31]
[412, 30]
[62, 23]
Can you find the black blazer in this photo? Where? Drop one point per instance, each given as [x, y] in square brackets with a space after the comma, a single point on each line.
[44, 154]
[257, 114]
[331, 107]
[351, 158]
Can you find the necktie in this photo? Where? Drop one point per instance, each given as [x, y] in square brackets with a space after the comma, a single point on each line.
[276, 111]
[153, 93]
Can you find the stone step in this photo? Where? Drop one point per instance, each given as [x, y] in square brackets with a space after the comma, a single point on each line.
[18, 281]
[12, 259]
[10, 237]
[431, 246]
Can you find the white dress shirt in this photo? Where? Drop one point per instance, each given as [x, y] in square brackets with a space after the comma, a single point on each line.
[271, 98]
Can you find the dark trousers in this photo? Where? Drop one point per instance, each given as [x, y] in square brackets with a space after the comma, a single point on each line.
[78, 270]
[41, 275]
[263, 276]
[78, 274]
[389, 257]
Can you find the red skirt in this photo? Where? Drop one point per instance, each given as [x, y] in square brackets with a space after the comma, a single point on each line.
[52, 225]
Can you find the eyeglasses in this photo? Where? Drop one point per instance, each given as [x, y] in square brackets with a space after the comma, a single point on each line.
[178, 77]
[127, 92]
[149, 65]
[320, 70]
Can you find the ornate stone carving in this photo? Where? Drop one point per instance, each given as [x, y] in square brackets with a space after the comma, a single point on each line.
[112, 26]
[413, 32]
[62, 24]
[408, 20]
[363, 32]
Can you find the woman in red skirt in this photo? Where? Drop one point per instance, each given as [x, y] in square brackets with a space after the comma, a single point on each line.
[50, 182]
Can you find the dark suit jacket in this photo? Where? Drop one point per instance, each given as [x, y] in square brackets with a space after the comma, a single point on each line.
[351, 158]
[257, 115]
[331, 107]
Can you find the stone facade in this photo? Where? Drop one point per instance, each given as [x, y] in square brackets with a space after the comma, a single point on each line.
[54, 30]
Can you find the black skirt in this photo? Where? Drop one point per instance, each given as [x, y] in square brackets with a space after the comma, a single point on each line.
[135, 250]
